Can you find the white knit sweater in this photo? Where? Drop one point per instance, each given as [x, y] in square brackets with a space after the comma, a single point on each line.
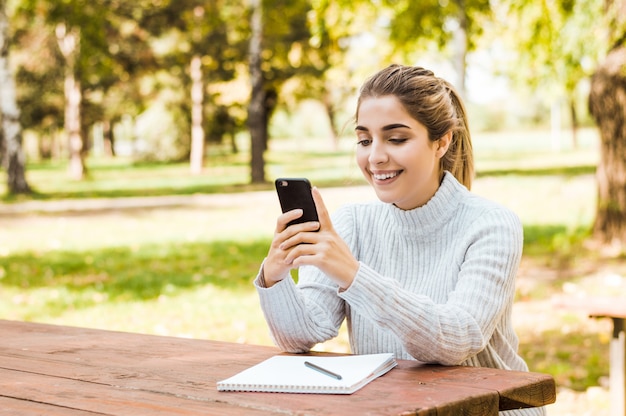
[435, 284]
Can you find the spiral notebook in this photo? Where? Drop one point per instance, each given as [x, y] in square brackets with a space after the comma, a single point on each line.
[310, 374]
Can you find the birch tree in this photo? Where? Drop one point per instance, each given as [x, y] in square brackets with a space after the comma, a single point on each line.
[69, 44]
[13, 157]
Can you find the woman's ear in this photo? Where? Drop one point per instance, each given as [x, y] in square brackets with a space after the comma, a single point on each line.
[443, 144]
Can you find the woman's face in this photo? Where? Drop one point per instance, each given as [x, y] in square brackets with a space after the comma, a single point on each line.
[395, 154]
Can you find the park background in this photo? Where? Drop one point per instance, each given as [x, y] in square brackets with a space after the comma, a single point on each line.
[150, 133]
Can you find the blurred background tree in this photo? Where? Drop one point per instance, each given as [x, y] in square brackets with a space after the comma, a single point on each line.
[11, 153]
[280, 50]
[99, 48]
[551, 47]
[607, 103]
[452, 26]
[193, 48]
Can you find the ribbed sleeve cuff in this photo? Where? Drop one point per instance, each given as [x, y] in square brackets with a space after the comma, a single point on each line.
[367, 291]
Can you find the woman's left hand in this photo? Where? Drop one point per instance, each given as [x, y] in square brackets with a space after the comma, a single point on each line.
[324, 249]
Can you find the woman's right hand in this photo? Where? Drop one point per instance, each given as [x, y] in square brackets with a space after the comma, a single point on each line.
[275, 267]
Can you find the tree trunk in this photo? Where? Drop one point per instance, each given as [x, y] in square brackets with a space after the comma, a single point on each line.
[196, 157]
[69, 46]
[270, 100]
[233, 143]
[3, 162]
[13, 155]
[607, 104]
[108, 133]
[257, 119]
[331, 113]
[574, 116]
[73, 97]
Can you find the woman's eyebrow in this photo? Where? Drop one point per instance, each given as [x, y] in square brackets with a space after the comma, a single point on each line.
[385, 128]
[395, 126]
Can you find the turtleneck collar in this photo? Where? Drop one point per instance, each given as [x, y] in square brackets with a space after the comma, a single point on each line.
[436, 212]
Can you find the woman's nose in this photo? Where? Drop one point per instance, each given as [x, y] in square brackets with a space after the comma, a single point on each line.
[378, 153]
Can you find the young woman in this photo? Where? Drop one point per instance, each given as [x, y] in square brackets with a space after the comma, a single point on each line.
[427, 272]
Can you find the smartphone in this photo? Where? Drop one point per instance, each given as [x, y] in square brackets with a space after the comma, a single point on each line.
[294, 193]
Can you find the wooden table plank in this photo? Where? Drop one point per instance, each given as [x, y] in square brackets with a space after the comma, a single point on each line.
[541, 387]
[183, 373]
[11, 406]
[105, 399]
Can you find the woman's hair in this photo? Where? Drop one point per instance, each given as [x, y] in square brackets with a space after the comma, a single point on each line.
[434, 103]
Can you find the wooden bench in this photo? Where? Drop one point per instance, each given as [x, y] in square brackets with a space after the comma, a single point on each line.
[614, 308]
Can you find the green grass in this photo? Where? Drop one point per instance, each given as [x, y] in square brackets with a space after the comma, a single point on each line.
[123, 177]
[141, 273]
[187, 271]
[576, 359]
[106, 286]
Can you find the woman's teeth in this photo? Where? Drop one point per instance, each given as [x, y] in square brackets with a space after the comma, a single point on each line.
[383, 176]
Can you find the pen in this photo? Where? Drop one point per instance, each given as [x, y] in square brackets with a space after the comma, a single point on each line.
[322, 370]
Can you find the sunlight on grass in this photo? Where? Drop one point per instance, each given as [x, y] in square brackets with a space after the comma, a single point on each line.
[206, 312]
[560, 349]
[142, 273]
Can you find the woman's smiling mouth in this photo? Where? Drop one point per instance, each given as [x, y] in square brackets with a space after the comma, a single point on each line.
[383, 176]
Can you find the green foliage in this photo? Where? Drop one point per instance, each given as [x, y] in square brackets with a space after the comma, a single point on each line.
[551, 41]
[123, 53]
[435, 21]
[180, 30]
[134, 56]
[107, 58]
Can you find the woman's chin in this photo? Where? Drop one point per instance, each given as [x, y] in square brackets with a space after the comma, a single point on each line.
[385, 197]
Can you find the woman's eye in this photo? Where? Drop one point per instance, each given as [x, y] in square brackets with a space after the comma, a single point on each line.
[363, 142]
[397, 140]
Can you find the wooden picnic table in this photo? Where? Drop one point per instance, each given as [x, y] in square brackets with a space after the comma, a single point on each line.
[612, 307]
[69, 371]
